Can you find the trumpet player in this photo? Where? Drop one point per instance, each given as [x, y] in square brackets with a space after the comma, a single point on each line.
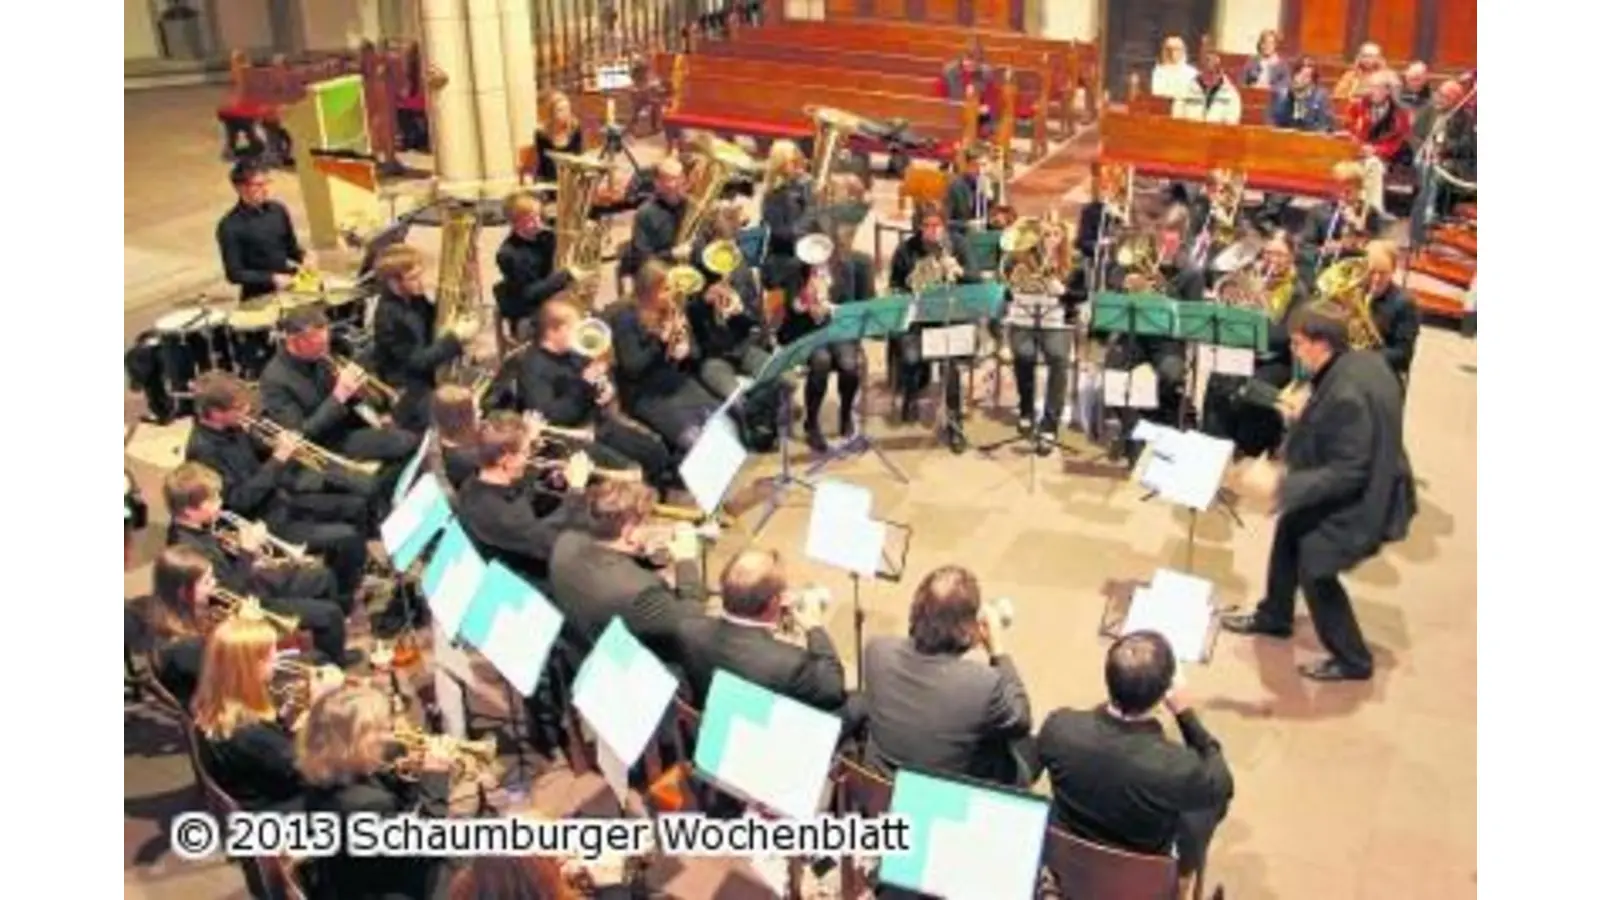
[932, 242]
[247, 750]
[297, 504]
[657, 362]
[407, 351]
[194, 500]
[303, 390]
[832, 275]
[526, 260]
[453, 454]
[344, 751]
[181, 583]
[757, 602]
[499, 506]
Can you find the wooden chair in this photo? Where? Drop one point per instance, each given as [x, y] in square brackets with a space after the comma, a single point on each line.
[1085, 870]
[858, 791]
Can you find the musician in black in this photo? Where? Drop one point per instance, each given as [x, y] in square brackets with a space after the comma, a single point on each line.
[657, 361]
[260, 252]
[1233, 411]
[453, 452]
[970, 194]
[727, 317]
[194, 498]
[1346, 491]
[303, 390]
[571, 391]
[934, 254]
[655, 225]
[788, 210]
[407, 349]
[561, 133]
[845, 276]
[1039, 324]
[181, 584]
[1339, 228]
[300, 505]
[499, 506]
[527, 262]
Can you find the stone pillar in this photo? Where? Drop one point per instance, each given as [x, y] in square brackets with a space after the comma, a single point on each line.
[516, 48]
[452, 120]
[495, 148]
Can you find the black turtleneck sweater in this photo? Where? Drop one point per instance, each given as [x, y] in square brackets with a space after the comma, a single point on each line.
[655, 233]
[406, 354]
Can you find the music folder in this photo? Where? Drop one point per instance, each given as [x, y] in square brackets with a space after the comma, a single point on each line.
[969, 841]
[766, 747]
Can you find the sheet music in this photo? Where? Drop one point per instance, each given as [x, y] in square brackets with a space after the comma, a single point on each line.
[1025, 307]
[1177, 614]
[842, 532]
[711, 465]
[969, 842]
[1229, 360]
[950, 341]
[622, 690]
[613, 770]
[1133, 390]
[1186, 467]
[513, 626]
[451, 580]
[781, 763]
[414, 522]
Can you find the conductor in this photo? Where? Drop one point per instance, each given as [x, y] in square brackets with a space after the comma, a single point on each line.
[1346, 490]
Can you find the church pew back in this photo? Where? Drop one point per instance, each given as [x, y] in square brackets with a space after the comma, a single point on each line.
[1272, 159]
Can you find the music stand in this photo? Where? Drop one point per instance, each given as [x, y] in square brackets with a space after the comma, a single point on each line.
[948, 307]
[1128, 317]
[843, 535]
[1186, 469]
[1220, 326]
[1173, 605]
[853, 323]
[785, 358]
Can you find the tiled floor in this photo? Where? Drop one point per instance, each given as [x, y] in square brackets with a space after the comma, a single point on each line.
[1365, 791]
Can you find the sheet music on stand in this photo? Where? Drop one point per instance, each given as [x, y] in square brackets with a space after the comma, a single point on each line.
[711, 465]
[1180, 608]
[948, 341]
[622, 690]
[1183, 467]
[451, 580]
[765, 747]
[969, 841]
[414, 521]
[842, 532]
[513, 625]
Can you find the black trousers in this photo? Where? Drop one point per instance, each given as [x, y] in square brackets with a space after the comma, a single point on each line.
[392, 448]
[333, 526]
[1255, 430]
[323, 619]
[844, 359]
[1331, 613]
[618, 445]
[720, 374]
[1167, 359]
[1195, 830]
[915, 375]
[678, 416]
[1027, 345]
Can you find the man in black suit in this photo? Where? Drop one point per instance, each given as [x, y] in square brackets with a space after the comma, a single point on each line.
[601, 573]
[655, 225]
[260, 252]
[1116, 780]
[409, 344]
[755, 599]
[526, 260]
[1347, 491]
[927, 706]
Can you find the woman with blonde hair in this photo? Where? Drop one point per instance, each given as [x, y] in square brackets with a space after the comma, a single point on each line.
[344, 750]
[561, 133]
[789, 210]
[183, 582]
[1039, 327]
[1267, 68]
[246, 750]
[1172, 74]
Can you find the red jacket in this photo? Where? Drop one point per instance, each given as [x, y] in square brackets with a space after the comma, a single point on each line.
[1386, 134]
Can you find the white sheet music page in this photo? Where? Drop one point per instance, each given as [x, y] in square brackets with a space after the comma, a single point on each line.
[1229, 360]
[457, 586]
[950, 341]
[408, 515]
[783, 765]
[1133, 390]
[1176, 606]
[983, 858]
[710, 466]
[842, 532]
[1186, 467]
[612, 769]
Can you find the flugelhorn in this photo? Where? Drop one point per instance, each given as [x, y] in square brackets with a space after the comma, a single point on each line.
[307, 454]
[276, 546]
[233, 605]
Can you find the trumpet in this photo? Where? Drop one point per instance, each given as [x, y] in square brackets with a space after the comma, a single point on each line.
[232, 605]
[372, 390]
[470, 759]
[291, 688]
[276, 547]
[313, 457]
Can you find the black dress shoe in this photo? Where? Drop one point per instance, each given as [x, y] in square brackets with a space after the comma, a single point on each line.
[955, 439]
[815, 440]
[1250, 623]
[1331, 669]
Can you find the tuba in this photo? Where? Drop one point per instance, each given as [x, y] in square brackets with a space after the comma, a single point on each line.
[720, 159]
[1344, 284]
[580, 242]
[1023, 273]
[456, 298]
[833, 127]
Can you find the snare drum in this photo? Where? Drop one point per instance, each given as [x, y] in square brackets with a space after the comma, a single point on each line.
[192, 340]
[250, 333]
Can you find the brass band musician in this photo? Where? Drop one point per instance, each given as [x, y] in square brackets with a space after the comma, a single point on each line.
[256, 238]
[1394, 314]
[946, 258]
[655, 226]
[788, 209]
[181, 584]
[526, 260]
[727, 317]
[501, 505]
[971, 194]
[657, 361]
[407, 346]
[832, 274]
[1039, 315]
[1339, 228]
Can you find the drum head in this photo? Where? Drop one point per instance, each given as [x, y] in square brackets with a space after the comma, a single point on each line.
[259, 319]
[185, 318]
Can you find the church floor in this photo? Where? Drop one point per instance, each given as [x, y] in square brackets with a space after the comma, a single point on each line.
[1343, 791]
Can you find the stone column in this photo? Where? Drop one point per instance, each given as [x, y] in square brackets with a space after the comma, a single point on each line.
[452, 120]
[516, 48]
[495, 147]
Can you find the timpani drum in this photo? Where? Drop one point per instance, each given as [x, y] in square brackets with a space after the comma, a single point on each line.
[250, 334]
[191, 340]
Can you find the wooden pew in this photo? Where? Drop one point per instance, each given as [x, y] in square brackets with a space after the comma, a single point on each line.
[1256, 104]
[1067, 61]
[1290, 162]
[816, 70]
[766, 110]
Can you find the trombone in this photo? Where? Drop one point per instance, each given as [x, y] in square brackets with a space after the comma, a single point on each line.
[313, 457]
[232, 605]
[276, 547]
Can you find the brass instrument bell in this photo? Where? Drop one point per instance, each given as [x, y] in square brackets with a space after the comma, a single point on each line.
[591, 338]
[722, 257]
[1022, 236]
[814, 249]
[233, 605]
[684, 281]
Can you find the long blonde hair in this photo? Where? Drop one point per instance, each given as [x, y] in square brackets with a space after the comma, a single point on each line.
[560, 130]
[176, 577]
[780, 159]
[232, 690]
[345, 736]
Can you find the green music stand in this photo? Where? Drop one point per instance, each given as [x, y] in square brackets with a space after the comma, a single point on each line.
[985, 249]
[1217, 325]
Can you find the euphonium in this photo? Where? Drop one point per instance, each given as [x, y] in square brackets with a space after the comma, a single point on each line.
[1344, 284]
[233, 605]
[471, 758]
[1140, 262]
[721, 159]
[1226, 194]
[816, 295]
[308, 454]
[1017, 242]
[591, 339]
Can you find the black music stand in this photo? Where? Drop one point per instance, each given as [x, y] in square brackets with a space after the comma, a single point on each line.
[1124, 327]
